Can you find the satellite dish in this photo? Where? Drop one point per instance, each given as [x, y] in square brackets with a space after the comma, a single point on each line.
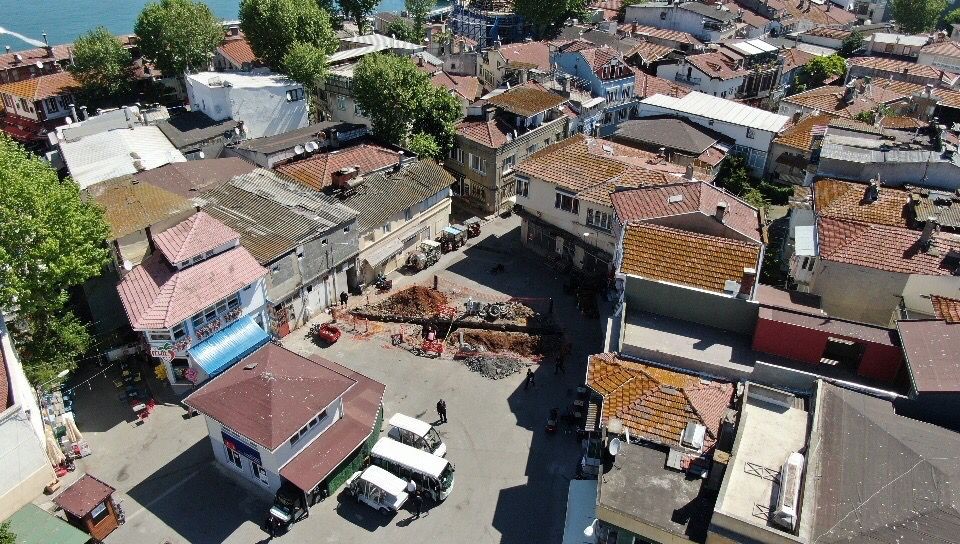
[127, 265]
[312, 146]
[39, 65]
[615, 446]
[298, 150]
[201, 155]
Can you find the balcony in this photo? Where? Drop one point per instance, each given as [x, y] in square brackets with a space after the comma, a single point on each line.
[687, 79]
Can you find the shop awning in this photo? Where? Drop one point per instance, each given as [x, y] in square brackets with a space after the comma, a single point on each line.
[228, 346]
[384, 252]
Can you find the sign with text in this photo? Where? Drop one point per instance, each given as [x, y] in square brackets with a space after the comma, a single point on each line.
[240, 447]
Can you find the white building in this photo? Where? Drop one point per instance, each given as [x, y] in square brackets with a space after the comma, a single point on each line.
[707, 22]
[751, 129]
[266, 104]
[944, 55]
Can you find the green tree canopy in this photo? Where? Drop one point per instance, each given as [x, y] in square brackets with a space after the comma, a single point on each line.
[6, 535]
[425, 146]
[419, 9]
[915, 16]
[358, 11]
[851, 44]
[178, 34]
[401, 101]
[334, 11]
[102, 66]
[547, 16]
[273, 26]
[951, 18]
[401, 30]
[819, 69]
[306, 63]
[51, 239]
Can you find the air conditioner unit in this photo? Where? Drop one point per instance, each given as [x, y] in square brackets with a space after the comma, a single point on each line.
[788, 500]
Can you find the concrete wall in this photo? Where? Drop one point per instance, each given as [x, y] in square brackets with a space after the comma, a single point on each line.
[699, 81]
[135, 247]
[675, 19]
[858, 293]
[919, 287]
[264, 111]
[938, 174]
[950, 64]
[714, 310]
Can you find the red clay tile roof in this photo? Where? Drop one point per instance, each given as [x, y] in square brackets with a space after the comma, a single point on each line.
[41, 87]
[947, 309]
[195, 236]
[661, 33]
[825, 32]
[83, 496]
[846, 200]
[647, 85]
[492, 134]
[157, 296]
[884, 247]
[273, 400]
[601, 57]
[945, 97]
[800, 135]
[316, 171]
[651, 203]
[361, 405]
[192, 178]
[829, 99]
[753, 19]
[947, 48]
[527, 55]
[881, 64]
[526, 100]
[814, 13]
[656, 404]
[931, 349]
[32, 56]
[685, 258]
[238, 51]
[716, 65]
[467, 87]
[795, 58]
[901, 123]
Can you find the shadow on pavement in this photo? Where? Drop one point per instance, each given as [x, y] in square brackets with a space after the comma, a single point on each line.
[199, 500]
[360, 514]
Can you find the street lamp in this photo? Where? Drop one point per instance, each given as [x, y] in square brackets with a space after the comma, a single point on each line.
[60, 375]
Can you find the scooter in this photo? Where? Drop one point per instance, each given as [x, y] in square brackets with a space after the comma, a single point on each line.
[552, 421]
[382, 283]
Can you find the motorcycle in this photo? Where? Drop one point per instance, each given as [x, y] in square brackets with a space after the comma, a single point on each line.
[382, 283]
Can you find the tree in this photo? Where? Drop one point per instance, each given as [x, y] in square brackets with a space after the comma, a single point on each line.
[6, 535]
[547, 16]
[305, 63]
[336, 16]
[951, 18]
[425, 146]
[851, 44]
[273, 26]
[102, 66]
[178, 35]
[419, 9]
[399, 29]
[916, 16]
[733, 175]
[819, 69]
[51, 239]
[359, 10]
[436, 115]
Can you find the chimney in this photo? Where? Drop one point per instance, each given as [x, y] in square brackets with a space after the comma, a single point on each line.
[906, 71]
[721, 211]
[523, 76]
[46, 45]
[489, 111]
[565, 84]
[8, 49]
[873, 191]
[73, 112]
[420, 60]
[747, 282]
[340, 179]
[929, 229]
[333, 138]
[633, 27]
[850, 92]
[688, 174]
[83, 113]
[399, 164]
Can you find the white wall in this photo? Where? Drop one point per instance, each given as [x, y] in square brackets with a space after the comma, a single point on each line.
[724, 88]
[951, 64]
[916, 294]
[264, 110]
[675, 19]
[541, 199]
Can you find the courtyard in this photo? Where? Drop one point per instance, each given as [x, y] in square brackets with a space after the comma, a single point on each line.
[511, 476]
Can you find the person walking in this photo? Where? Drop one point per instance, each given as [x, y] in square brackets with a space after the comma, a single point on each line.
[529, 380]
[442, 410]
[343, 298]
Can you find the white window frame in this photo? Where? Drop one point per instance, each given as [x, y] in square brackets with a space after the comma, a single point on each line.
[560, 200]
[523, 187]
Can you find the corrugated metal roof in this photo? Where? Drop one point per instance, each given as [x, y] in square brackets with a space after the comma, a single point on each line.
[229, 345]
[720, 109]
[804, 241]
[112, 154]
[33, 525]
[385, 194]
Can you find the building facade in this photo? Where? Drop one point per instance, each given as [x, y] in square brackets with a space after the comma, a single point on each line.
[265, 104]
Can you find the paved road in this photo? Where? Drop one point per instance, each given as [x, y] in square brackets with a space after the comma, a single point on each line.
[511, 477]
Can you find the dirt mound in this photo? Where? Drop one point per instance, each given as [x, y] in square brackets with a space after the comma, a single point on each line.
[413, 301]
[494, 368]
[525, 345]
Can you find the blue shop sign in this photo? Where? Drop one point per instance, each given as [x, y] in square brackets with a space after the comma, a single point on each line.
[238, 446]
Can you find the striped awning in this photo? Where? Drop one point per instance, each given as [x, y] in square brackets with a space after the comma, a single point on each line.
[227, 346]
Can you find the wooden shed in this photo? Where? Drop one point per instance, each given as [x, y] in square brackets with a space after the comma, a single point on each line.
[88, 504]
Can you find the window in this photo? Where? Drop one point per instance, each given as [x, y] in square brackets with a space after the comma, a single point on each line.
[52, 105]
[259, 472]
[387, 227]
[294, 95]
[508, 164]
[456, 154]
[346, 229]
[341, 103]
[567, 203]
[663, 15]
[234, 457]
[159, 336]
[275, 268]
[532, 149]
[99, 512]
[23, 104]
[477, 163]
[596, 218]
[751, 133]
[8, 100]
[523, 187]
[179, 331]
[407, 214]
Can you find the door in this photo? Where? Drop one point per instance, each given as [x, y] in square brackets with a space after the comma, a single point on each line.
[282, 320]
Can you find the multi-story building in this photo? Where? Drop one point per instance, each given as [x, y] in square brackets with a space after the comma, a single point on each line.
[513, 63]
[30, 63]
[199, 301]
[606, 74]
[943, 54]
[31, 107]
[708, 23]
[491, 141]
[265, 104]
[743, 70]
[487, 22]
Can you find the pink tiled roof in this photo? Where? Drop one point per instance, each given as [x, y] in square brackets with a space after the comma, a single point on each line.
[947, 48]
[716, 65]
[157, 296]
[527, 54]
[466, 86]
[195, 236]
[492, 134]
[648, 203]
[316, 171]
[647, 85]
[884, 247]
[660, 33]
[238, 50]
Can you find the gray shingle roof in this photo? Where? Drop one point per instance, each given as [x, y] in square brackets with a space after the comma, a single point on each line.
[385, 194]
[193, 127]
[286, 140]
[669, 132]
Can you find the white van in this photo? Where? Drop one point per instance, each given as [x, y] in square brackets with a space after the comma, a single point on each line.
[416, 433]
[433, 475]
[379, 489]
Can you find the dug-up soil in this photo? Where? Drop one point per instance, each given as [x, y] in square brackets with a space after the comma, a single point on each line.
[416, 301]
[524, 345]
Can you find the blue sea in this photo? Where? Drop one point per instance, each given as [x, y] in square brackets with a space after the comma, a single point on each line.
[64, 20]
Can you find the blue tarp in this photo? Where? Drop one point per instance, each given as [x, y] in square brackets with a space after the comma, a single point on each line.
[226, 347]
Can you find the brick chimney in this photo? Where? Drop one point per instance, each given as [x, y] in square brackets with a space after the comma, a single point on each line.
[930, 228]
[721, 211]
[747, 282]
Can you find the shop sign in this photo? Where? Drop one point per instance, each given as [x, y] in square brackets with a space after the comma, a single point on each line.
[165, 352]
[238, 446]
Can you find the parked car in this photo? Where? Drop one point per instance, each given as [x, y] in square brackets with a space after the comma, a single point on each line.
[379, 489]
[416, 433]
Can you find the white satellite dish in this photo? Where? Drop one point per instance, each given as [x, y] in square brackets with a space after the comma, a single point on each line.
[39, 65]
[298, 150]
[615, 446]
[312, 146]
[201, 155]
[127, 265]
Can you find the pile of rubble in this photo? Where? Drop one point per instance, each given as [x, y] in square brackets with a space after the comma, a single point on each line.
[416, 301]
[492, 366]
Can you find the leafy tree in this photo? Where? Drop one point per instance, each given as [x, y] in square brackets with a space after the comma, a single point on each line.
[273, 26]
[335, 13]
[950, 18]
[401, 101]
[50, 240]
[915, 16]
[547, 16]
[733, 175]
[178, 34]
[419, 9]
[819, 69]
[424, 145]
[851, 44]
[867, 116]
[6, 535]
[101, 65]
[359, 10]
[400, 30]
[305, 63]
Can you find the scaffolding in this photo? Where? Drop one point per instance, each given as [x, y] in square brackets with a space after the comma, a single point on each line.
[486, 21]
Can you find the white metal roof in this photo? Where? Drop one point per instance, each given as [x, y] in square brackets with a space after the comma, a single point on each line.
[384, 480]
[107, 155]
[803, 241]
[383, 42]
[753, 47]
[410, 457]
[901, 39]
[408, 423]
[719, 109]
[241, 79]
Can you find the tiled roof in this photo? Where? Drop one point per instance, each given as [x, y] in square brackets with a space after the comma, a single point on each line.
[602, 57]
[651, 203]
[846, 200]
[192, 178]
[800, 135]
[647, 85]
[931, 348]
[157, 296]
[854, 126]
[656, 404]
[901, 123]
[661, 33]
[238, 51]
[527, 55]
[649, 51]
[388, 193]
[670, 132]
[884, 247]
[753, 19]
[901, 67]
[947, 309]
[492, 134]
[948, 48]
[80, 498]
[131, 206]
[526, 101]
[944, 205]
[808, 11]
[794, 58]
[32, 56]
[193, 237]
[685, 258]
[945, 97]
[316, 171]
[467, 87]
[41, 87]
[825, 32]
[716, 65]
[273, 400]
[829, 99]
